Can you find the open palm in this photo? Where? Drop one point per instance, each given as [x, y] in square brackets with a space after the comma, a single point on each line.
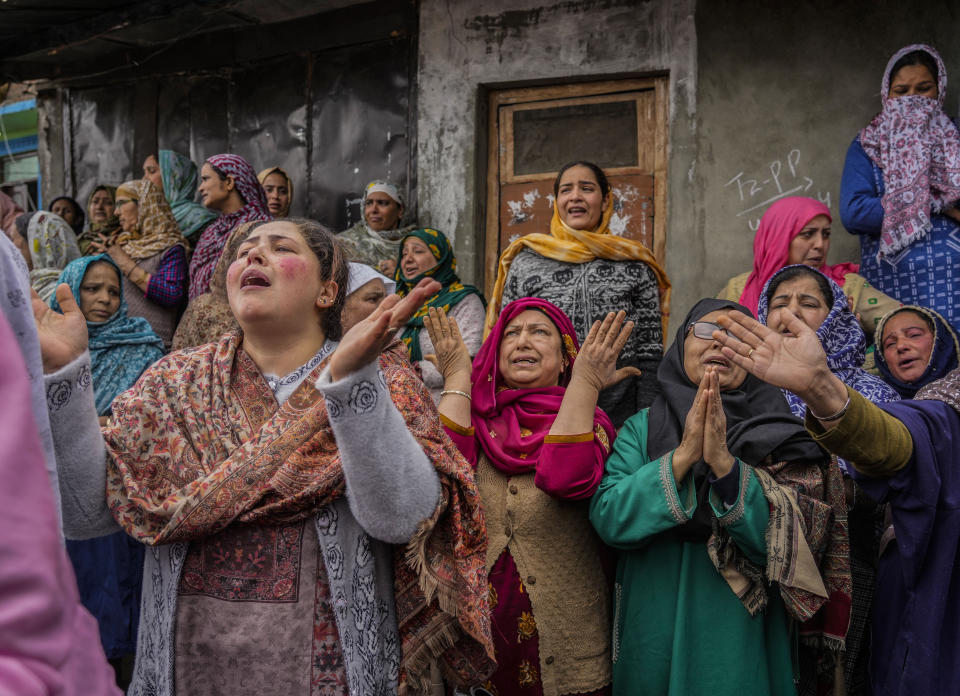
[788, 362]
[63, 337]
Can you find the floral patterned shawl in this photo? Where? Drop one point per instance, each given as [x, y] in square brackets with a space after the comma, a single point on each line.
[157, 230]
[917, 146]
[199, 443]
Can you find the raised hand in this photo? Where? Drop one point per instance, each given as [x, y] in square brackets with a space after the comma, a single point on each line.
[597, 360]
[690, 449]
[452, 357]
[796, 363]
[63, 337]
[715, 452]
[363, 343]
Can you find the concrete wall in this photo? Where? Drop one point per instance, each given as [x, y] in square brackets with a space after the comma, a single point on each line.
[467, 45]
[765, 98]
[785, 90]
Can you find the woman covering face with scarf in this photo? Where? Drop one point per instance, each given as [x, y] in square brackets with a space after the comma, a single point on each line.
[901, 183]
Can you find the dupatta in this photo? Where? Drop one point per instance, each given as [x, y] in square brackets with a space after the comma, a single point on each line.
[511, 424]
[200, 443]
[157, 229]
[578, 246]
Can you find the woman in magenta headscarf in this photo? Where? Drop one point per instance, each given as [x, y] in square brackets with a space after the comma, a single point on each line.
[525, 415]
[229, 187]
[796, 230]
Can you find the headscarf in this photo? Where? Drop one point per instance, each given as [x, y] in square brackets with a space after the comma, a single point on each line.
[917, 146]
[208, 316]
[179, 176]
[108, 228]
[381, 186]
[579, 246]
[359, 274]
[241, 458]
[844, 343]
[807, 531]
[771, 246]
[262, 176]
[16, 307]
[9, 210]
[212, 240]
[445, 273]
[121, 347]
[52, 246]
[157, 229]
[510, 424]
[943, 357]
[77, 227]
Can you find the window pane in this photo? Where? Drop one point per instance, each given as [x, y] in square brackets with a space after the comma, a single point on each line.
[20, 169]
[546, 139]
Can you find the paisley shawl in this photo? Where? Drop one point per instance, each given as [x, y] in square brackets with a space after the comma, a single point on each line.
[200, 442]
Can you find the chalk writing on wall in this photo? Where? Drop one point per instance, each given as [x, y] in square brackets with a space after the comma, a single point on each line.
[755, 194]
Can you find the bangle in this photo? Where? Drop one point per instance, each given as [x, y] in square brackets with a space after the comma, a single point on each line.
[130, 270]
[832, 416]
[456, 391]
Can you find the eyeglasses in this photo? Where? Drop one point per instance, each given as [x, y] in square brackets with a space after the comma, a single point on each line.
[705, 329]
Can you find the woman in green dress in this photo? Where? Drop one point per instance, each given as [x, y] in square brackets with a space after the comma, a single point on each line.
[715, 497]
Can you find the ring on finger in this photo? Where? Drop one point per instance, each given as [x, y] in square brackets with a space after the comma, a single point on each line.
[751, 352]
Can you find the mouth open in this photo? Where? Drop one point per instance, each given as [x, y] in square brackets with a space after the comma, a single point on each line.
[718, 362]
[576, 210]
[524, 361]
[254, 278]
[906, 363]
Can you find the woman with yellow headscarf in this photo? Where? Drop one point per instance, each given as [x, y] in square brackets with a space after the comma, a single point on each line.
[587, 272]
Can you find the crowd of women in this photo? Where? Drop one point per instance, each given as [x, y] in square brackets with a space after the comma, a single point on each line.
[282, 460]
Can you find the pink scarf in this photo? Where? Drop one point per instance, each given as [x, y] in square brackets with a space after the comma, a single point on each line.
[917, 146]
[771, 247]
[510, 424]
[214, 237]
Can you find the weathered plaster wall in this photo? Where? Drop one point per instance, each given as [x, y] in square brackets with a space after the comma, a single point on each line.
[783, 90]
[464, 45]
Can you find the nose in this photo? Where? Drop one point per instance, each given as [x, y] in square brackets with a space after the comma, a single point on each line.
[254, 255]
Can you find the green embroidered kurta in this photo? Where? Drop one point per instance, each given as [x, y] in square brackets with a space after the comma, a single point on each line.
[678, 627]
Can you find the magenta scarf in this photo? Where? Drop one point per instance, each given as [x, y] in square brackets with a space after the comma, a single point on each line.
[917, 146]
[510, 424]
[771, 246]
[212, 239]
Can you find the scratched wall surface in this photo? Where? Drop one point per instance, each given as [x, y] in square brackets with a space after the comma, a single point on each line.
[466, 46]
[781, 94]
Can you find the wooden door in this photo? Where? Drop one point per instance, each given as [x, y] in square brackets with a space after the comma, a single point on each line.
[620, 124]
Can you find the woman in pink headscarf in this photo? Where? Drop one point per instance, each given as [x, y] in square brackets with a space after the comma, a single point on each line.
[229, 187]
[9, 212]
[796, 230]
[525, 415]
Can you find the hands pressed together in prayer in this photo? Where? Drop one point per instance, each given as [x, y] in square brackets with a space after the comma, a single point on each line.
[363, 343]
[704, 432]
[794, 362]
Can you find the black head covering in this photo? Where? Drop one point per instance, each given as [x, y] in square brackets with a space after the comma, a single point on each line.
[759, 421]
[81, 216]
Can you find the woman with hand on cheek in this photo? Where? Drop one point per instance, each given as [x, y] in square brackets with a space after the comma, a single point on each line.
[715, 498]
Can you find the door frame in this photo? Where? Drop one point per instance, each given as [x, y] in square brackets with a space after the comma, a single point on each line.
[581, 91]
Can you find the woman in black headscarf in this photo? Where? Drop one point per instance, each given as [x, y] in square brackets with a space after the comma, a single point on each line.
[711, 494]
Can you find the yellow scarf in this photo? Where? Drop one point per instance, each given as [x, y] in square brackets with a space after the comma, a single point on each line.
[157, 229]
[577, 246]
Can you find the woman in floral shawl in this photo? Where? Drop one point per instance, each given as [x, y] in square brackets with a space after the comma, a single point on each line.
[427, 253]
[311, 528]
[525, 415]
[228, 187]
[109, 568]
[901, 184]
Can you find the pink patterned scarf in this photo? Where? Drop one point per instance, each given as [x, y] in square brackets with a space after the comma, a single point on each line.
[511, 424]
[771, 246]
[213, 238]
[917, 146]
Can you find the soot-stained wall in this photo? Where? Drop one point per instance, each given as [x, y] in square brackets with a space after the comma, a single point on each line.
[466, 48]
